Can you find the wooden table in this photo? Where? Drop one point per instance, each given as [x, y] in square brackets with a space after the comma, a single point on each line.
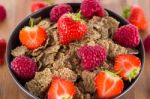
[19, 9]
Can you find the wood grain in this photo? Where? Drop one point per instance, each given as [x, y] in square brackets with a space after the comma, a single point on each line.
[19, 9]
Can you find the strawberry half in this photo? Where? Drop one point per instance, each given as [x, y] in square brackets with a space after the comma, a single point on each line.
[136, 16]
[61, 89]
[128, 66]
[108, 85]
[32, 37]
[70, 28]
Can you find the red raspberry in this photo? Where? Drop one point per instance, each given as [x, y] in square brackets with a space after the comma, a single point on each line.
[24, 67]
[127, 36]
[89, 8]
[2, 50]
[91, 56]
[2, 13]
[147, 43]
[58, 10]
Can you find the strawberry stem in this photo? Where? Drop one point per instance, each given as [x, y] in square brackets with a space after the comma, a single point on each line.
[31, 22]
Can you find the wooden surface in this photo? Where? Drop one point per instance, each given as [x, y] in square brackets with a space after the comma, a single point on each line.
[19, 9]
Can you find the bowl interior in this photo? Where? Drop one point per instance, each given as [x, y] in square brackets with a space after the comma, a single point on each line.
[14, 42]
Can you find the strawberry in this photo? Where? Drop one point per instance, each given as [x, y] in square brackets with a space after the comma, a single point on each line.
[128, 66]
[70, 28]
[61, 89]
[35, 6]
[2, 50]
[135, 15]
[108, 85]
[32, 37]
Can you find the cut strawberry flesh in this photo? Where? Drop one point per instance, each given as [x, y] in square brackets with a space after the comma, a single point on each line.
[128, 66]
[108, 85]
[61, 89]
[32, 37]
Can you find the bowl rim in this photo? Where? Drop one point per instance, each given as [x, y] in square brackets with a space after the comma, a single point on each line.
[49, 7]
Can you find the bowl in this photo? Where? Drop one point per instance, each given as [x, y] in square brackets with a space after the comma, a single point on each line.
[14, 42]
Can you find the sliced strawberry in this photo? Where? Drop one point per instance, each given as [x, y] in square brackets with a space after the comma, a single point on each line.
[71, 28]
[32, 37]
[108, 85]
[61, 89]
[128, 66]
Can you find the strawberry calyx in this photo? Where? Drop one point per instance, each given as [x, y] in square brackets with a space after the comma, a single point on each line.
[66, 97]
[133, 73]
[75, 16]
[126, 11]
[114, 75]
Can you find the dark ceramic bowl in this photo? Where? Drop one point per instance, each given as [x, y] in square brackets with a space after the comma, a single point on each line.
[14, 42]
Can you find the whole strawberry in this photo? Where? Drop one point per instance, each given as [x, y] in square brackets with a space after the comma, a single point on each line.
[147, 43]
[37, 5]
[61, 89]
[2, 50]
[91, 56]
[108, 85]
[128, 66]
[58, 10]
[2, 13]
[136, 16]
[90, 8]
[70, 28]
[24, 67]
[127, 36]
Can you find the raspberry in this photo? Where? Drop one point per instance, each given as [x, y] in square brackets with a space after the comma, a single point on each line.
[2, 50]
[147, 43]
[127, 36]
[2, 13]
[58, 10]
[91, 56]
[24, 67]
[89, 8]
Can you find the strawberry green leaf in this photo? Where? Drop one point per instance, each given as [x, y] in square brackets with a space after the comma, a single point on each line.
[66, 97]
[126, 11]
[133, 74]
